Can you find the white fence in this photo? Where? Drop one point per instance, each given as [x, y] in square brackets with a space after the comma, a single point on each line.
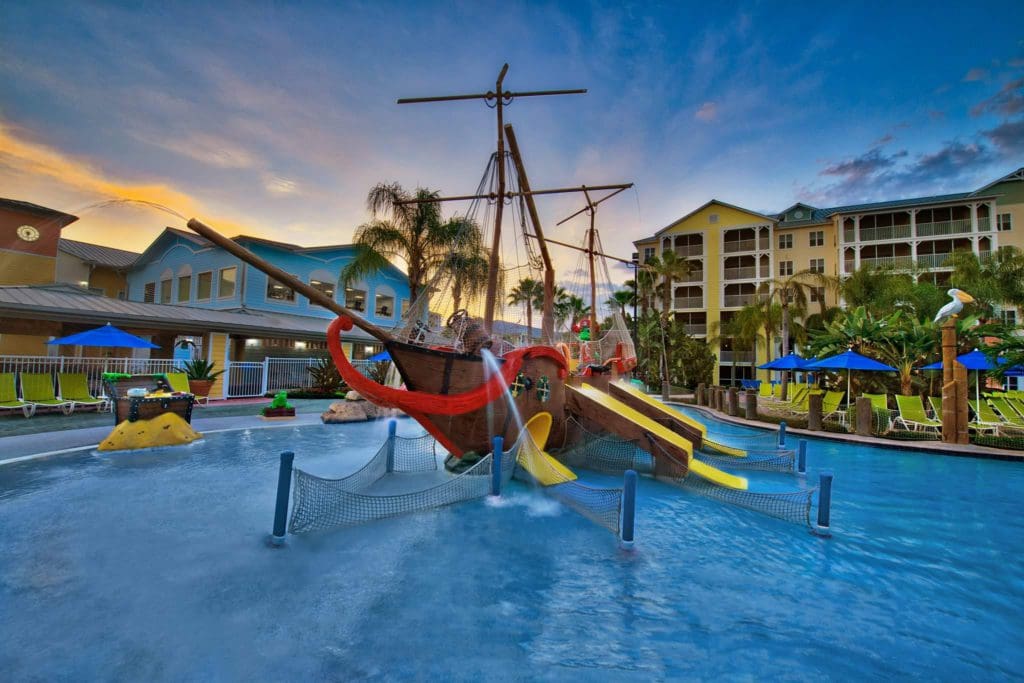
[243, 378]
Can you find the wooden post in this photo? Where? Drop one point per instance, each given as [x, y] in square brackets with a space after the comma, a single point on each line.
[750, 407]
[954, 389]
[732, 406]
[863, 413]
[814, 412]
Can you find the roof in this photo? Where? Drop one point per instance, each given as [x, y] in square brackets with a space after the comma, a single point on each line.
[701, 208]
[17, 205]
[97, 254]
[1017, 175]
[74, 304]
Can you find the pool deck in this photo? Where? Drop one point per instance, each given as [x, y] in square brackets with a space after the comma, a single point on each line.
[935, 447]
[26, 446]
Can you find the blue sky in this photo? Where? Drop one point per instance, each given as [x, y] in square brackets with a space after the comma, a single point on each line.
[276, 118]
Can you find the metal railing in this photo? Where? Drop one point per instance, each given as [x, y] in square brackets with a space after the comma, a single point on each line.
[688, 302]
[741, 273]
[735, 356]
[692, 276]
[690, 250]
[884, 232]
[957, 227]
[740, 245]
[695, 329]
[92, 368]
[734, 300]
[933, 260]
[888, 261]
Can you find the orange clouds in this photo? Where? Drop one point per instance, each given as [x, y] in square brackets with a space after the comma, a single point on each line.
[32, 171]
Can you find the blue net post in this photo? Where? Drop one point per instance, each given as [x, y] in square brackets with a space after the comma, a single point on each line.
[628, 508]
[782, 434]
[824, 504]
[392, 429]
[284, 487]
[801, 456]
[496, 452]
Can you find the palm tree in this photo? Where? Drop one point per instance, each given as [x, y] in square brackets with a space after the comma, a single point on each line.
[620, 299]
[530, 293]
[469, 275]
[792, 293]
[994, 281]
[645, 286]
[570, 309]
[413, 233]
[668, 268]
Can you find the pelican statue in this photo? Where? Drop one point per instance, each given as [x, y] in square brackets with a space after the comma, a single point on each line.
[955, 306]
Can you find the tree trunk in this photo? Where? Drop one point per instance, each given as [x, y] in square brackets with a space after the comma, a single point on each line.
[529, 322]
[785, 344]
[456, 293]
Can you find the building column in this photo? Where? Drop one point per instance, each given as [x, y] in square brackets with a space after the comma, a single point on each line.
[974, 218]
[913, 223]
[218, 351]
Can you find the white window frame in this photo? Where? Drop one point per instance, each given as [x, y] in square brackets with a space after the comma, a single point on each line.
[785, 268]
[1002, 226]
[817, 265]
[817, 238]
[788, 237]
[199, 277]
[220, 281]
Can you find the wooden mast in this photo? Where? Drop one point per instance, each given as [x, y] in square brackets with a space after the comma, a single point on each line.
[314, 295]
[594, 327]
[547, 324]
[501, 98]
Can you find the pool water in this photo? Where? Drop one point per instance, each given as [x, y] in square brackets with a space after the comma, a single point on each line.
[153, 566]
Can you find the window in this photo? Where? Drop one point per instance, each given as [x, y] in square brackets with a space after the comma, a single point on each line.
[165, 291]
[1010, 317]
[327, 288]
[817, 238]
[648, 254]
[355, 299]
[384, 307]
[785, 268]
[184, 288]
[226, 282]
[1004, 222]
[405, 307]
[786, 241]
[817, 295]
[817, 265]
[204, 286]
[279, 292]
[149, 292]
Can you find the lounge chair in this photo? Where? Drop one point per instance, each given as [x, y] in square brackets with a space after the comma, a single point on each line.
[765, 390]
[878, 401]
[1006, 411]
[37, 389]
[830, 402]
[912, 415]
[796, 398]
[777, 391]
[990, 422]
[178, 381]
[9, 396]
[74, 387]
[986, 419]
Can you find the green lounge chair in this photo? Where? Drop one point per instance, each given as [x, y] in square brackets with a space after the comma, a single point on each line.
[796, 399]
[9, 396]
[74, 387]
[830, 402]
[1006, 411]
[178, 381]
[978, 424]
[986, 419]
[878, 401]
[777, 391]
[37, 389]
[912, 415]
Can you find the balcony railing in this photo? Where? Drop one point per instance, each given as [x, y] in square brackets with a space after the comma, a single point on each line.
[740, 245]
[933, 260]
[696, 329]
[736, 356]
[888, 232]
[741, 273]
[688, 302]
[888, 261]
[693, 276]
[737, 300]
[957, 227]
[689, 250]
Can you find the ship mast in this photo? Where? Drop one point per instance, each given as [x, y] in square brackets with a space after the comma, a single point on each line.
[501, 98]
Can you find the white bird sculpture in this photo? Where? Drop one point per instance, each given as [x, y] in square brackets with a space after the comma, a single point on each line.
[955, 306]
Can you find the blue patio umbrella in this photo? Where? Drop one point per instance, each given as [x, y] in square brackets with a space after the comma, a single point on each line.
[790, 361]
[377, 357]
[979, 362]
[850, 361]
[106, 336]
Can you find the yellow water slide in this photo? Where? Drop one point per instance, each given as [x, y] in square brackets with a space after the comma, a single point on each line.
[618, 418]
[652, 407]
[532, 457]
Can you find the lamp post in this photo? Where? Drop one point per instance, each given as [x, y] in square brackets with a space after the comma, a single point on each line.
[635, 263]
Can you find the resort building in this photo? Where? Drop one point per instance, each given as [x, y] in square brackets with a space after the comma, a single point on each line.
[733, 251]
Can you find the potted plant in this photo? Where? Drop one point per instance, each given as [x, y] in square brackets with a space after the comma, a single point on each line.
[279, 407]
[201, 376]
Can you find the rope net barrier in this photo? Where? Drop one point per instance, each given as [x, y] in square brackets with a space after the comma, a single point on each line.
[322, 503]
[603, 506]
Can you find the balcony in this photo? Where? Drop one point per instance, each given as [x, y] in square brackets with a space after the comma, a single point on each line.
[933, 260]
[741, 273]
[957, 227]
[736, 356]
[740, 245]
[738, 300]
[686, 251]
[696, 329]
[888, 232]
[688, 302]
[692, 276]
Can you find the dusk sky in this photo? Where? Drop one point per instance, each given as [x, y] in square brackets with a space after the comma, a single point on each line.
[275, 119]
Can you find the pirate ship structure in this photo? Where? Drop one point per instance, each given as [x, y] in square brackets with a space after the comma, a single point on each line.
[466, 384]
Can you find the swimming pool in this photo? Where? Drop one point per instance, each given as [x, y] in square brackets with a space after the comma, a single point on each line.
[154, 566]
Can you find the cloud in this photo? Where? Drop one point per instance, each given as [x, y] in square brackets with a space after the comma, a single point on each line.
[975, 74]
[276, 185]
[1008, 137]
[872, 163]
[707, 112]
[884, 140]
[1008, 101]
[208, 149]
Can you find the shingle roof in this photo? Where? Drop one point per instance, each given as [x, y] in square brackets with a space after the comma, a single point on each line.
[29, 207]
[70, 303]
[97, 254]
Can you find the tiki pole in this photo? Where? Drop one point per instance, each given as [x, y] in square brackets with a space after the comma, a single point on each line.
[954, 389]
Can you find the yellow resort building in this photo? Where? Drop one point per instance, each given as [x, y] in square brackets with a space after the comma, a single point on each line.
[733, 251]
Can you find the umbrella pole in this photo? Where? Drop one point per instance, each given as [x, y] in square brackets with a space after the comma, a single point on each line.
[848, 373]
